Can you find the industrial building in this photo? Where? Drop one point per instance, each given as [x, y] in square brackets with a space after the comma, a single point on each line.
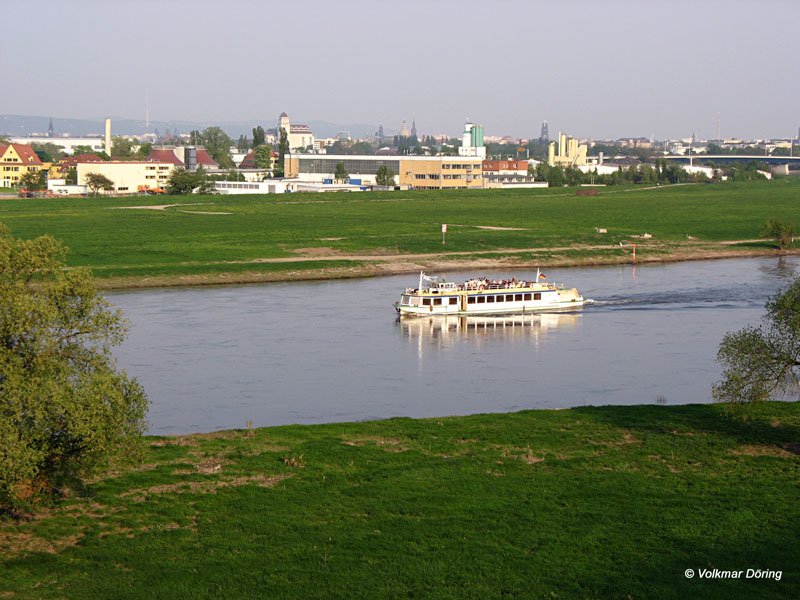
[568, 154]
[129, 177]
[472, 141]
[418, 172]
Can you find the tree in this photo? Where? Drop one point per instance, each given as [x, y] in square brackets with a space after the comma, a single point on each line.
[48, 152]
[283, 150]
[555, 177]
[182, 181]
[218, 145]
[144, 150]
[83, 149]
[782, 232]
[763, 361]
[340, 173]
[263, 156]
[34, 180]
[384, 176]
[121, 147]
[259, 137]
[97, 182]
[65, 411]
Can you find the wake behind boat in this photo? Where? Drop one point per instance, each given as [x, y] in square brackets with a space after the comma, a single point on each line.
[484, 296]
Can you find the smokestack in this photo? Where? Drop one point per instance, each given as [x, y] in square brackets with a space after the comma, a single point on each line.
[108, 137]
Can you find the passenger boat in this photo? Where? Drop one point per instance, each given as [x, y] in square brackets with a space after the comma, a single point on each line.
[484, 296]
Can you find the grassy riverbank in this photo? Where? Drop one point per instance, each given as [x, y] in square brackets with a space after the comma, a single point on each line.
[147, 241]
[611, 502]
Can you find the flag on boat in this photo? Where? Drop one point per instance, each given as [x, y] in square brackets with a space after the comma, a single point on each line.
[541, 276]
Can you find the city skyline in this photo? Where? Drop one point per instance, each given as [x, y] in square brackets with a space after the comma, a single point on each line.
[616, 69]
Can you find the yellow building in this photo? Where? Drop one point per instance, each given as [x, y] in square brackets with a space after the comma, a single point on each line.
[418, 172]
[16, 161]
[569, 154]
[129, 177]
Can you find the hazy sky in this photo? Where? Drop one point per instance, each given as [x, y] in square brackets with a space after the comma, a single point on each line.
[608, 68]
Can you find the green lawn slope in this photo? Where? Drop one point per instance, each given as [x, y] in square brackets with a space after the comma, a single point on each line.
[609, 502]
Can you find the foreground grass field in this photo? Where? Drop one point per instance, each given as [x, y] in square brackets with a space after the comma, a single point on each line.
[611, 502]
[204, 239]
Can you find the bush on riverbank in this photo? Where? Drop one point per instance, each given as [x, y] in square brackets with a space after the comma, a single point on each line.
[608, 502]
[64, 409]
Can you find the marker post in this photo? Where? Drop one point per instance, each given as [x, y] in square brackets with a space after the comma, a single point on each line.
[444, 231]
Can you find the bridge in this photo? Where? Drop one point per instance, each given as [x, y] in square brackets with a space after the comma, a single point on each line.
[735, 158]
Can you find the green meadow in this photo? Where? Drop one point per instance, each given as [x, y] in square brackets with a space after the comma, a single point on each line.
[606, 502]
[229, 234]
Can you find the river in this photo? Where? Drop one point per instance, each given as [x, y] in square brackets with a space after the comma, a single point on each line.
[315, 352]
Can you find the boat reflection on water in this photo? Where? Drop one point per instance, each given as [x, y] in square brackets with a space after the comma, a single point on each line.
[445, 329]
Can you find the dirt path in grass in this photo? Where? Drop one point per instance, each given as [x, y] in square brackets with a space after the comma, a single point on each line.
[369, 265]
[688, 248]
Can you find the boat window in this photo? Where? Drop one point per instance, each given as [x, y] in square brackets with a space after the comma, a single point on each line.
[518, 297]
[537, 296]
[437, 301]
[404, 300]
[509, 297]
[490, 298]
[470, 299]
[453, 300]
[426, 302]
[481, 299]
[527, 296]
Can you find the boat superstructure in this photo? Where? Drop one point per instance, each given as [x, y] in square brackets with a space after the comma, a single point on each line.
[484, 296]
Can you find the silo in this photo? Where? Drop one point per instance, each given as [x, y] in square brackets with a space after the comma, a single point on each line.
[477, 136]
[190, 158]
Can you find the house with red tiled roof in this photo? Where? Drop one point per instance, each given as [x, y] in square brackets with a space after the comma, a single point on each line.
[179, 155]
[249, 161]
[15, 161]
[61, 169]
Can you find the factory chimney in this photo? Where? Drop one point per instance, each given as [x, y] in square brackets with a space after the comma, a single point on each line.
[108, 137]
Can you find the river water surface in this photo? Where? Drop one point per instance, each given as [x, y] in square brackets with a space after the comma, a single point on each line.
[214, 358]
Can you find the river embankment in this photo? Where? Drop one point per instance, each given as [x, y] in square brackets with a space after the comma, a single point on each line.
[588, 502]
[370, 265]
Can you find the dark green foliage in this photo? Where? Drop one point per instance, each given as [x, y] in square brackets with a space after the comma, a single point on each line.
[121, 147]
[263, 156]
[34, 180]
[340, 172]
[782, 232]
[283, 150]
[96, 182]
[76, 150]
[48, 152]
[218, 145]
[384, 176]
[183, 182]
[762, 362]
[259, 136]
[64, 409]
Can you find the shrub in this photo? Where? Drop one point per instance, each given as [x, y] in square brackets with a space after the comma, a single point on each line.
[65, 411]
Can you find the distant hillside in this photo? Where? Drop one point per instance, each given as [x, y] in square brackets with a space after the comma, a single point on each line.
[23, 125]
